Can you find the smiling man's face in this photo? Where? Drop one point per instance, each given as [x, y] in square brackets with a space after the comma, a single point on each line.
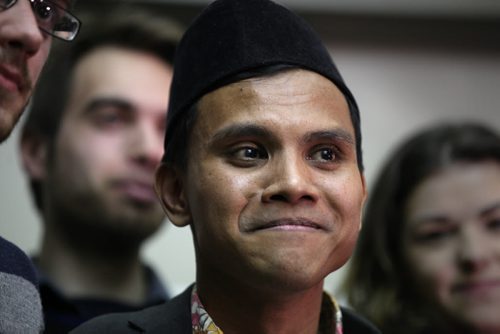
[272, 185]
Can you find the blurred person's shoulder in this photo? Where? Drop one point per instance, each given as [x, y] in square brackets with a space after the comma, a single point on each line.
[13, 261]
[173, 316]
[356, 324]
[20, 303]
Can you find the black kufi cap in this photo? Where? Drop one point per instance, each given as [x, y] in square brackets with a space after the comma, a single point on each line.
[234, 36]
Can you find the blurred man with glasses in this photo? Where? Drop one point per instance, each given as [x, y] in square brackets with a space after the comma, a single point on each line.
[26, 31]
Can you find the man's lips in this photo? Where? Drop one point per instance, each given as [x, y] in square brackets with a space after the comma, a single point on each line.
[11, 78]
[288, 224]
[137, 190]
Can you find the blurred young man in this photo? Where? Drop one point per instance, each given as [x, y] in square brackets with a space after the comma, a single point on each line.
[26, 31]
[90, 147]
[263, 162]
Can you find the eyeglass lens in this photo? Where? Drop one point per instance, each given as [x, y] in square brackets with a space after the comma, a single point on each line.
[55, 20]
[51, 18]
[5, 4]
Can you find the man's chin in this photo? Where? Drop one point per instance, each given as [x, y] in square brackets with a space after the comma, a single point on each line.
[135, 227]
[5, 131]
[8, 121]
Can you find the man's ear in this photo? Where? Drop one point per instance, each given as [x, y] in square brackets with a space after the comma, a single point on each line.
[34, 150]
[170, 190]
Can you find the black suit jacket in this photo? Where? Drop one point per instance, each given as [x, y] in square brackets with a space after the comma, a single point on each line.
[174, 317]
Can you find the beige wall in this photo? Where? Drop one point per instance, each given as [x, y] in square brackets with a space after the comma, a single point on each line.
[398, 90]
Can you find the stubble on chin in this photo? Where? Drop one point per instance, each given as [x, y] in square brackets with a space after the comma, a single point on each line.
[96, 225]
[9, 115]
[12, 105]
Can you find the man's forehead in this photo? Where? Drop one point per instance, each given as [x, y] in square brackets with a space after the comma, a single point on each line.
[290, 83]
[296, 95]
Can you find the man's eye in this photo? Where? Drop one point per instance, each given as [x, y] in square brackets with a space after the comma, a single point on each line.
[323, 154]
[109, 117]
[249, 153]
[246, 156]
[47, 14]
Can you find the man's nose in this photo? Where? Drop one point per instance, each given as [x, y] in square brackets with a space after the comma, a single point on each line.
[147, 145]
[289, 181]
[20, 28]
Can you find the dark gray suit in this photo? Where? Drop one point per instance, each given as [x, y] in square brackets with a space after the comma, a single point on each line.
[174, 317]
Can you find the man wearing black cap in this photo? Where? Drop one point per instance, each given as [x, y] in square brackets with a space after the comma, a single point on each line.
[263, 161]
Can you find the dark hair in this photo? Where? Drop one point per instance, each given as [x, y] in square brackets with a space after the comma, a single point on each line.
[176, 149]
[377, 284]
[127, 27]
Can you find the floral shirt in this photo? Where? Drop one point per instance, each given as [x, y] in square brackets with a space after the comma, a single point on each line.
[330, 321]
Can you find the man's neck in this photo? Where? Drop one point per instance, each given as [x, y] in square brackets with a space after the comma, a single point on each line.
[98, 274]
[240, 310]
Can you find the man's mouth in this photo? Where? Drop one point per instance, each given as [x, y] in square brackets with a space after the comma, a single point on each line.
[11, 79]
[137, 191]
[289, 224]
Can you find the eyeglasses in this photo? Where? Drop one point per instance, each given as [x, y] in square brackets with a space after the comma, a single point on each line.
[51, 18]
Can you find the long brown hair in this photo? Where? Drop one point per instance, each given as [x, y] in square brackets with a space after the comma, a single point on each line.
[377, 283]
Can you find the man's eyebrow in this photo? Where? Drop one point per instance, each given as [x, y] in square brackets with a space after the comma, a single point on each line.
[332, 135]
[102, 102]
[252, 130]
[241, 130]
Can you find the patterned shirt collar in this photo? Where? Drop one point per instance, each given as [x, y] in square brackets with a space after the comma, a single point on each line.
[330, 321]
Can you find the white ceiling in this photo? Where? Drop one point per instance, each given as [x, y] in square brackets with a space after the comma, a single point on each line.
[467, 8]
